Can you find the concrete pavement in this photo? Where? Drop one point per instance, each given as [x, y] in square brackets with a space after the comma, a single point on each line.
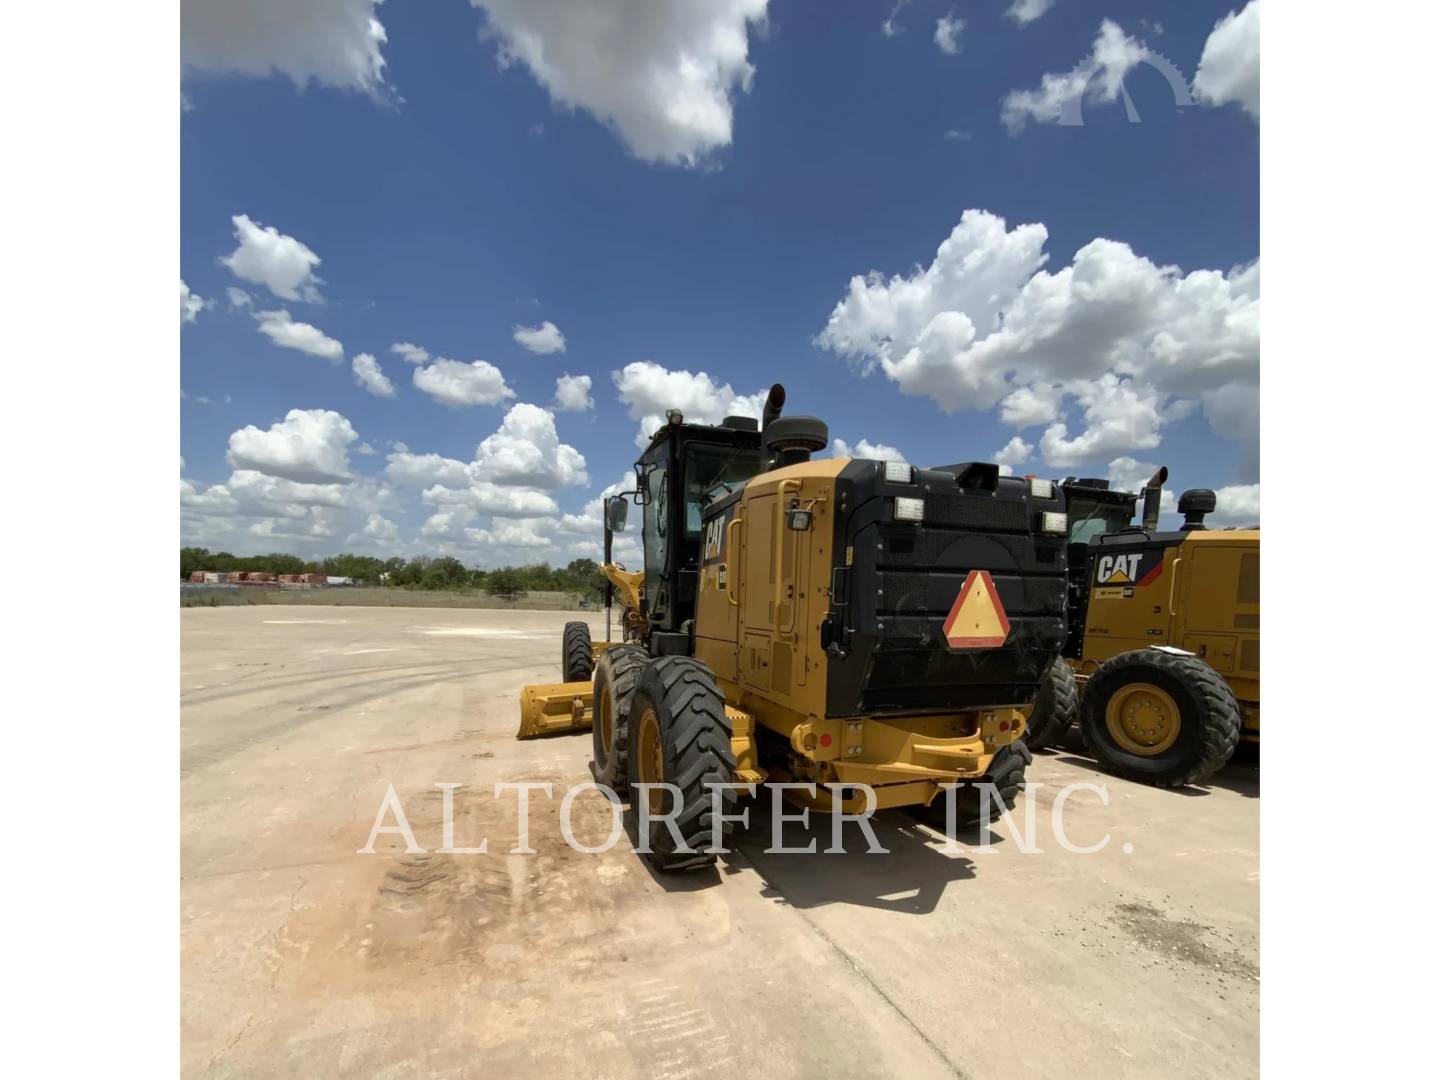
[301, 957]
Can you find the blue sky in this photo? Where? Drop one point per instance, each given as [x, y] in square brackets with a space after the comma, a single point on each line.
[510, 165]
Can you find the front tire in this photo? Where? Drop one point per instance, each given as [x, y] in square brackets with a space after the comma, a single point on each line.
[577, 657]
[616, 675]
[1161, 718]
[1057, 703]
[679, 734]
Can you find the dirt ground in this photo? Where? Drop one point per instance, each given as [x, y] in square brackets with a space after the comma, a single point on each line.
[300, 957]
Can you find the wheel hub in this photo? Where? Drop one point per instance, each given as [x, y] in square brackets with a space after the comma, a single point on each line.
[1143, 719]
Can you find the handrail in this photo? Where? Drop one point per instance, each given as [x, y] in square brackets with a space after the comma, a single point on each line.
[780, 550]
[731, 578]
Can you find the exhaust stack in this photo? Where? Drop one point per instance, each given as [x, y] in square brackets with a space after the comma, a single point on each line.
[1150, 516]
[773, 404]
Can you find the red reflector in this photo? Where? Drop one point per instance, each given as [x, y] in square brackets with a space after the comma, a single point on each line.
[1004, 725]
[826, 740]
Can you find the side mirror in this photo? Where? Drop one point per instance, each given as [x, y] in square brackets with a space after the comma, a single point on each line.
[616, 511]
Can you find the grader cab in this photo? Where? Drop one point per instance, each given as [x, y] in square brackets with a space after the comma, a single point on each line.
[870, 629]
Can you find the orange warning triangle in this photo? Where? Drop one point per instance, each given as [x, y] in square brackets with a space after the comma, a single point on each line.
[977, 621]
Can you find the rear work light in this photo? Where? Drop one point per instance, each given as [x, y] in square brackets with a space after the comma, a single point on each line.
[911, 509]
[1052, 522]
[1042, 489]
[898, 472]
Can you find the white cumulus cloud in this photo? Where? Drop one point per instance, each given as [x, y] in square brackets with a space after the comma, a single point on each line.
[1027, 11]
[1118, 416]
[456, 383]
[1099, 77]
[866, 449]
[191, 304]
[413, 354]
[523, 533]
[651, 390]
[1012, 455]
[406, 469]
[1031, 405]
[572, 393]
[1127, 474]
[1238, 504]
[379, 529]
[284, 331]
[947, 33]
[527, 451]
[266, 256]
[1132, 344]
[662, 75]
[545, 338]
[1230, 63]
[484, 497]
[891, 26]
[368, 374]
[308, 446]
[332, 42]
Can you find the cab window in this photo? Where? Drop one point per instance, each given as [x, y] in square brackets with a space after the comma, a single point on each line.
[1098, 521]
[712, 472]
[656, 509]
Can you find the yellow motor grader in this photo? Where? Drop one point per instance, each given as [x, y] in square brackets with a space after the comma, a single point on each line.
[824, 621]
[1164, 636]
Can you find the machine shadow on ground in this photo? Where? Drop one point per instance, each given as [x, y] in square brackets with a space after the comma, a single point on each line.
[1241, 775]
[909, 877]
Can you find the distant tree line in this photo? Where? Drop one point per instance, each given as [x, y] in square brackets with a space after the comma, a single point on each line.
[581, 576]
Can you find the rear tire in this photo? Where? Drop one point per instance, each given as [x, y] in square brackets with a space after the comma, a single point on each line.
[679, 734]
[1121, 698]
[1057, 703]
[577, 658]
[1006, 772]
[616, 675]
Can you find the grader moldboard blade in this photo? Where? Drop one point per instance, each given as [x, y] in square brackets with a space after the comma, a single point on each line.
[555, 708]
[551, 708]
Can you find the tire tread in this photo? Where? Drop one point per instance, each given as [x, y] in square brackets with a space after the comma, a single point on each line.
[1219, 715]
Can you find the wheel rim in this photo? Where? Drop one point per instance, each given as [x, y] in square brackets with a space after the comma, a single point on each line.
[1143, 719]
[649, 758]
[605, 725]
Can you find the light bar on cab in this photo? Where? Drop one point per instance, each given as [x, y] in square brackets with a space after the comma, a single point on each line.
[1042, 489]
[911, 509]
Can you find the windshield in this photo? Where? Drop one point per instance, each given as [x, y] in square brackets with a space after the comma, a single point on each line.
[1088, 521]
[711, 472]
